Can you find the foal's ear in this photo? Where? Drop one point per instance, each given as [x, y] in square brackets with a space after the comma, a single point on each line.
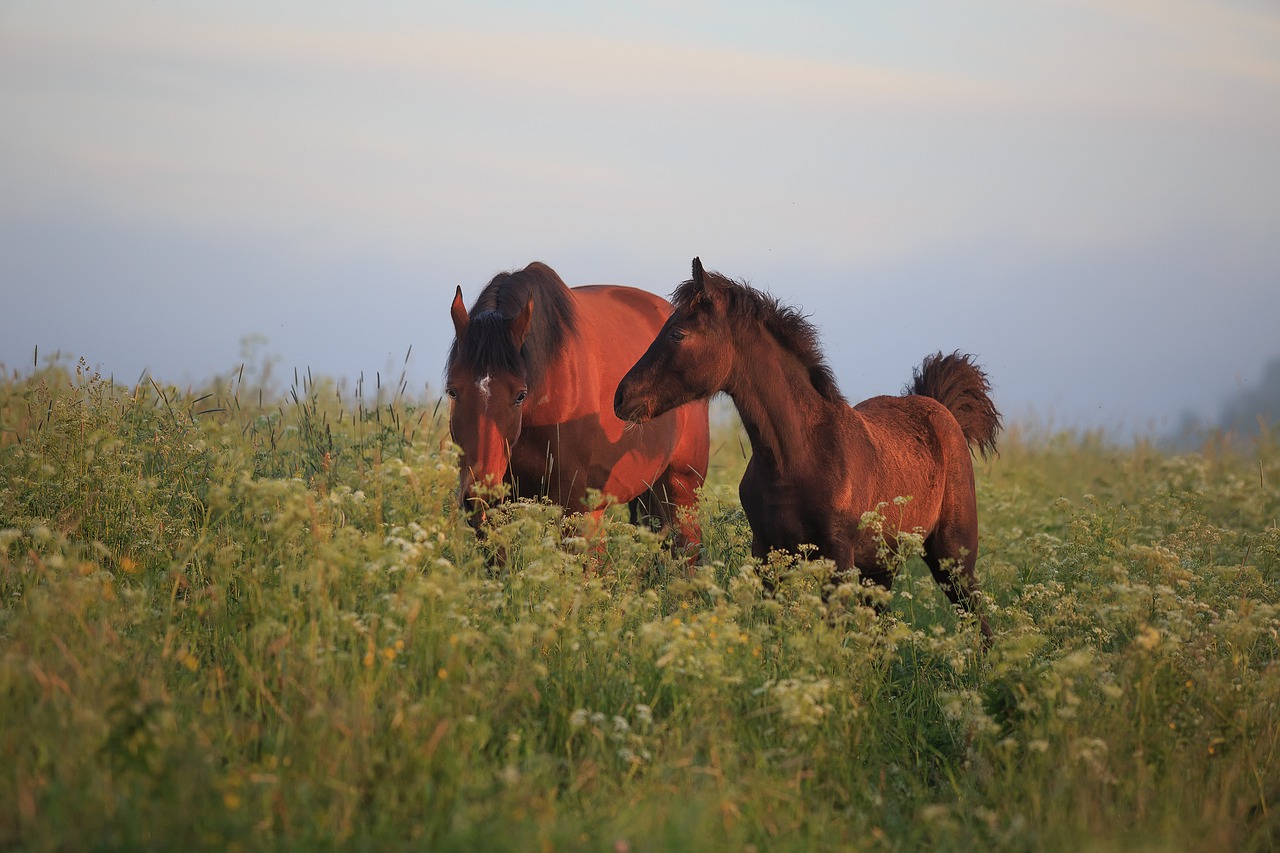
[699, 281]
[458, 310]
[708, 290]
[520, 324]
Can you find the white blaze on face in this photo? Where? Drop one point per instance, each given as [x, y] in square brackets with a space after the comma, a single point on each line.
[483, 385]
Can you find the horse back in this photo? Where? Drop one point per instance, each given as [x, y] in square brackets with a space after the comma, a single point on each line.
[574, 413]
[911, 424]
[916, 449]
[631, 317]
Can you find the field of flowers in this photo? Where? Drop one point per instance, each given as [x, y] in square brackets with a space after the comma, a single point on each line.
[241, 619]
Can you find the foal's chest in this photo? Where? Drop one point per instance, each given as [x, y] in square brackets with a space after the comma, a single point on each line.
[783, 513]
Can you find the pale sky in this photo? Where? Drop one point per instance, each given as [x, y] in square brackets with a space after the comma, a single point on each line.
[1084, 194]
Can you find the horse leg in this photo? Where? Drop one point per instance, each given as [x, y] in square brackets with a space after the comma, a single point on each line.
[650, 508]
[951, 554]
[671, 503]
[760, 550]
[589, 525]
[681, 502]
[685, 474]
[871, 581]
[867, 579]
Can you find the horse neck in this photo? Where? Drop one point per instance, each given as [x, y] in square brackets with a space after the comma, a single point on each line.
[565, 389]
[775, 399]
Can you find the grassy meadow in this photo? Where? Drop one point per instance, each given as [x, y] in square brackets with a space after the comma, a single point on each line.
[243, 619]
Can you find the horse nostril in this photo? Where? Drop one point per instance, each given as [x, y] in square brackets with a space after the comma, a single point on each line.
[627, 410]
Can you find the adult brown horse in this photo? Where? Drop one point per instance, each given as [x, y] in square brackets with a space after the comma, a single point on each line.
[818, 464]
[530, 380]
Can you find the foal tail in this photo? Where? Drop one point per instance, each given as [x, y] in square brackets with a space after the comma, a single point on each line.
[960, 385]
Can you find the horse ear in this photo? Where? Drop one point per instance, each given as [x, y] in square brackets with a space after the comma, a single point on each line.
[458, 310]
[700, 282]
[520, 324]
[708, 290]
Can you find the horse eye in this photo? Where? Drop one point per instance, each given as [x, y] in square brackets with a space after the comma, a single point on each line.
[676, 334]
[520, 397]
[451, 393]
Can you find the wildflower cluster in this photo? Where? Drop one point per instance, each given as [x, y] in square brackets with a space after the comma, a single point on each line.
[629, 739]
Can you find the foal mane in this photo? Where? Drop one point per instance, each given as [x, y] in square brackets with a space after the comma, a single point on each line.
[792, 329]
[487, 345]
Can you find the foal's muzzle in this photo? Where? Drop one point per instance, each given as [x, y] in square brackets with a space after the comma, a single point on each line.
[631, 411]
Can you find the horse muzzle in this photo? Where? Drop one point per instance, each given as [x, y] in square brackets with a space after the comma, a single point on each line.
[477, 496]
[631, 411]
[475, 511]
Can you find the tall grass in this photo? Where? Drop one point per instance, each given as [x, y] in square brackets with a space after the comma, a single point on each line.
[239, 619]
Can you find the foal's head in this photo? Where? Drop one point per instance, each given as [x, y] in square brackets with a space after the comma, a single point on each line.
[692, 356]
[717, 324]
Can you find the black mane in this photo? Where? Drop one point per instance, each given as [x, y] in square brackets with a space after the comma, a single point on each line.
[787, 325]
[487, 346]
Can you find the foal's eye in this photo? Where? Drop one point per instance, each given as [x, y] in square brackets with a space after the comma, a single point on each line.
[451, 393]
[520, 397]
[676, 334]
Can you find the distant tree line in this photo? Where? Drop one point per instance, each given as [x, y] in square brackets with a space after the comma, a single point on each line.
[1249, 409]
[1245, 413]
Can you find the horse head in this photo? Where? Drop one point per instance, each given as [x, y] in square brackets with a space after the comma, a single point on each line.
[690, 359]
[486, 382]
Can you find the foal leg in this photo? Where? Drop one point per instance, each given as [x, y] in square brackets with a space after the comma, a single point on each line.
[951, 555]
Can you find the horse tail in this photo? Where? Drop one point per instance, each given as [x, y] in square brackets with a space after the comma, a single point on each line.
[958, 383]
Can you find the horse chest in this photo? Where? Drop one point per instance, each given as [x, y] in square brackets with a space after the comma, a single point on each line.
[783, 513]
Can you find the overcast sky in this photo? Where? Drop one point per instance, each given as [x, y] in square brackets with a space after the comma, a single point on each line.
[1084, 194]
